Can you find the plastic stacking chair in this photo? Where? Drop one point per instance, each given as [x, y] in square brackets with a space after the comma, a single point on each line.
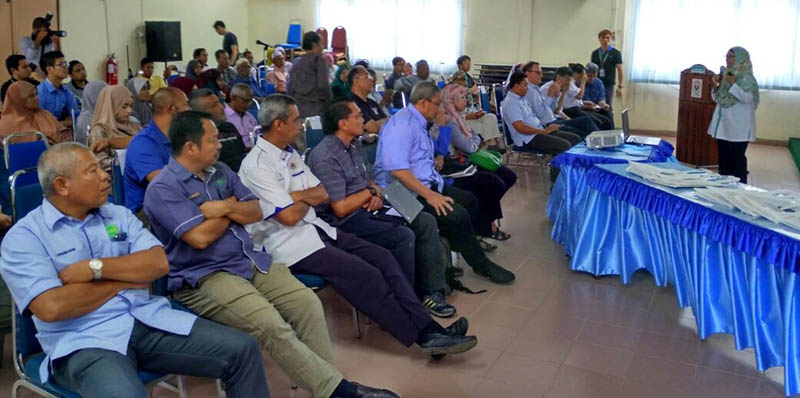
[484, 99]
[294, 37]
[316, 284]
[339, 42]
[117, 185]
[313, 135]
[26, 195]
[28, 356]
[323, 33]
[539, 159]
[23, 155]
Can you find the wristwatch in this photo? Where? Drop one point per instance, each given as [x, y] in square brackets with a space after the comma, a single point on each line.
[372, 190]
[96, 265]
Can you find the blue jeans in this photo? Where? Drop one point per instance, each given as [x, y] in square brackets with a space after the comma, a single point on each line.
[210, 350]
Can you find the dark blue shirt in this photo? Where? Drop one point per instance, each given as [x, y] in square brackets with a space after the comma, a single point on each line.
[147, 152]
[595, 91]
[172, 203]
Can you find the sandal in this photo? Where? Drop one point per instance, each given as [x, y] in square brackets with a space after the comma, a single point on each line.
[486, 246]
[500, 235]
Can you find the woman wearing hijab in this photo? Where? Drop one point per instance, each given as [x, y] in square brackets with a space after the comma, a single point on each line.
[193, 69]
[212, 80]
[279, 73]
[488, 186]
[112, 127]
[734, 121]
[90, 94]
[330, 60]
[140, 89]
[185, 84]
[340, 88]
[485, 123]
[21, 113]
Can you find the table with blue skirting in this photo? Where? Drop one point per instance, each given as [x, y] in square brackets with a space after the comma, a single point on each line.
[737, 273]
[566, 201]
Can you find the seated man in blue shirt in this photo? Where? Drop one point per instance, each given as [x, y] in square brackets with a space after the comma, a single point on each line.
[198, 207]
[581, 126]
[594, 96]
[526, 129]
[338, 161]
[53, 97]
[149, 150]
[366, 275]
[82, 267]
[406, 153]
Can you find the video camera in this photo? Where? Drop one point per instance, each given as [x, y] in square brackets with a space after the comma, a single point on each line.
[48, 19]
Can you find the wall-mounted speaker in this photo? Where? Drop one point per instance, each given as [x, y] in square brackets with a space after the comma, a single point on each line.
[163, 40]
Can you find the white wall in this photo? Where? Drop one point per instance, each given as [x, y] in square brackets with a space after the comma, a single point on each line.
[85, 21]
[552, 32]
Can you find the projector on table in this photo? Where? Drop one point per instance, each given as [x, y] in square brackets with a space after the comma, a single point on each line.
[605, 139]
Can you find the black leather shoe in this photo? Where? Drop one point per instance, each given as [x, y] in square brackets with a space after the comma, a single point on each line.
[363, 391]
[459, 327]
[438, 343]
[497, 274]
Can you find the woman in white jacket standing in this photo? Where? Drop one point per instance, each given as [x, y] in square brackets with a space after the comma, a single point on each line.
[733, 124]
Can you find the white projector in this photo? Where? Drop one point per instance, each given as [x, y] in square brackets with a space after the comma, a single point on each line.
[605, 139]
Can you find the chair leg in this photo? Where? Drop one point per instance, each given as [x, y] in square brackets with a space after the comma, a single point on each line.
[356, 323]
[220, 390]
[183, 391]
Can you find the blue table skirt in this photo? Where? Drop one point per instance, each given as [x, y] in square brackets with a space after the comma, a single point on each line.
[729, 290]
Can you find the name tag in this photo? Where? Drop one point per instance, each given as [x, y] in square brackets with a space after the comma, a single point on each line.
[601, 73]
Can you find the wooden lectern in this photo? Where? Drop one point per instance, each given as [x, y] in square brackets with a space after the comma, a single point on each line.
[695, 108]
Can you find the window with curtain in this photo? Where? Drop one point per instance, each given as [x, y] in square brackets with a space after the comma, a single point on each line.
[669, 36]
[379, 30]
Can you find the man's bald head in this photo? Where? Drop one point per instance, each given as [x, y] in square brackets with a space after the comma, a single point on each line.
[169, 99]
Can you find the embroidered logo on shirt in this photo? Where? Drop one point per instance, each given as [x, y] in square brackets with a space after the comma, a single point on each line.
[221, 183]
[112, 230]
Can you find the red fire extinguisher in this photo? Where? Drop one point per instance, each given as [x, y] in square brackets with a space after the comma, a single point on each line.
[112, 70]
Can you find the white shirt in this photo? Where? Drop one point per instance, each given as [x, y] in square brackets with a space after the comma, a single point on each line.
[569, 100]
[28, 48]
[272, 174]
[736, 123]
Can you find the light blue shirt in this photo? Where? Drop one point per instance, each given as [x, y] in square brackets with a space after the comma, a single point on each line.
[538, 104]
[405, 144]
[516, 108]
[28, 48]
[47, 241]
[58, 101]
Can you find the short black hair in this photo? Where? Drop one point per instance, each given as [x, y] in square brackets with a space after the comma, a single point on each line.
[362, 62]
[309, 39]
[197, 52]
[564, 71]
[529, 66]
[357, 70]
[577, 68]
[420, 63]
[196, 95]
[463, 58]
[39, 22]
[397, 60]
[145, 61]
[339, 110]
[246, 51]
[515, 79]
[218, 24]
[187, 127]
[12, 62]
[72, 65]
[49, 59]
[218, 53]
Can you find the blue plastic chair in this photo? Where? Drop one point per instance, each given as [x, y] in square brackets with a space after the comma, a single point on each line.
[484, 98]
[313, 136]
[316, 283]
[294, 37]
[25, 196]
[117, 185]
[23, 155]
[28, 357]
[540, 159]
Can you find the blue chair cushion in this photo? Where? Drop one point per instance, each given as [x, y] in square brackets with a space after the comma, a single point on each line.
[32, 371]
[311, 281]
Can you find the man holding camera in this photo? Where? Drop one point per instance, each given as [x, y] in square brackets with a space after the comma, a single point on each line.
[41, 40]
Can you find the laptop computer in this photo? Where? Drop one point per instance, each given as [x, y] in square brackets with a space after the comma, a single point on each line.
[636, 139]
[402, 200]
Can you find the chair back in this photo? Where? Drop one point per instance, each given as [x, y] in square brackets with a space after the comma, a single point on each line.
[499, 94]
[506, 132]
[295, 34]
[339, 40]
[22, 155]
[313, 135]
[323, 33]
[24, 339]
[117, 185]
[483, 96]
[26, 193]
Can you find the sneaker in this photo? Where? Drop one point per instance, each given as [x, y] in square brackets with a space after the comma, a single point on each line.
[437, 306]
[458, 327]
[497, 274]
[439, 344]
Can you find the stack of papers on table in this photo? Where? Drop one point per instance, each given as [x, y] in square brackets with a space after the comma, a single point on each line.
[680, 179]
[780, 207]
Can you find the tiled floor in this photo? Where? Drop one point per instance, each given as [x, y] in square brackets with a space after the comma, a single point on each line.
[554, 333]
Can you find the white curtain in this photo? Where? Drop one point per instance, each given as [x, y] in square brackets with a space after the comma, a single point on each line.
[379, 30]
[671, 35]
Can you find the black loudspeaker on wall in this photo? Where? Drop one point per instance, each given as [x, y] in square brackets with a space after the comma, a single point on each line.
[163, 40]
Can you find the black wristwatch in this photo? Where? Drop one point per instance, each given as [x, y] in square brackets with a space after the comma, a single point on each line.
[372, 190]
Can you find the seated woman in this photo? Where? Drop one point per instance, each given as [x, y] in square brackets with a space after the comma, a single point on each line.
[477, 119]
[212, 80]
[139, 87]
[279, 73]
[112, 128]
[340, 88]
[89, 101]
[193, 69]
[185, 84]
[489, 187]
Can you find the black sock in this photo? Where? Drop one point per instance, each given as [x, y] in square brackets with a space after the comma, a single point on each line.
[345, 389]
[431, 327]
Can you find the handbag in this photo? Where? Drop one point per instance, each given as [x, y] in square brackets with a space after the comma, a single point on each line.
[485, 159]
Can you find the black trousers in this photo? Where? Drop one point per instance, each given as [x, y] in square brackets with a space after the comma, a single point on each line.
[553, 144]
[732, 159]
[601, 121]
[489, 187]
